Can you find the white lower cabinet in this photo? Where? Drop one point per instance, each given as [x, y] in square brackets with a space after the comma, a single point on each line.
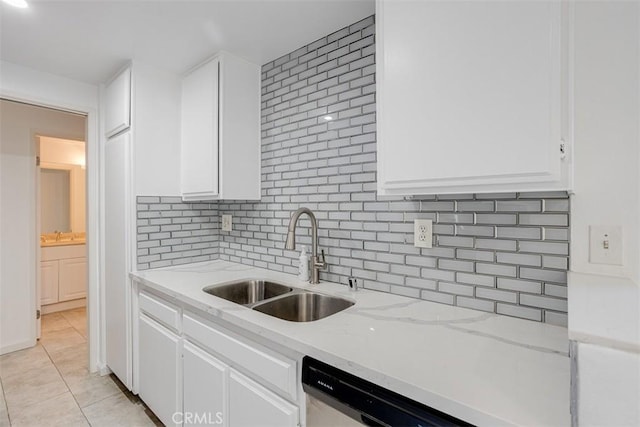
[204, 389]
[160, 386]
[63, 273]
[250, 404]
[214, 393]
[48, 282]
[192, 371]
[73, 279]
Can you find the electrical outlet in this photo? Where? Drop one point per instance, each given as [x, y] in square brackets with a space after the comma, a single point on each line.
[422, 233]
[226, 223]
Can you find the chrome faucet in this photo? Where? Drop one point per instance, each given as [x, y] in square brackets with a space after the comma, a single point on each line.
[316, 264]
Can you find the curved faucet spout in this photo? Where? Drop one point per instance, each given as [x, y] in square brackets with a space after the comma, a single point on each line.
[291, 234]
[290, 244]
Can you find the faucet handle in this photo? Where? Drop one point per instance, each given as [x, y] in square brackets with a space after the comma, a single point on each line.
[321, 263]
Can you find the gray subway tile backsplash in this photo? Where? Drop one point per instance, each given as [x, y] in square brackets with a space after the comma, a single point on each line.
[505, 253]
[171, 232]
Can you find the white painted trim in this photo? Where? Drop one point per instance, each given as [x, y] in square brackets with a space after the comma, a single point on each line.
[104, 370]
[17, 346]
[100, 200]
[95, 303]
[135, 351]
[69, 102]
[38, 224]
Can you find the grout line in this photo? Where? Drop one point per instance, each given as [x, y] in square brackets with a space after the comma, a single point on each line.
[133, 399]
[41, 401]
[63, 378]
[6, 405]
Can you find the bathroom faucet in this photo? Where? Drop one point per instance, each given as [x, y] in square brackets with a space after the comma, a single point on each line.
[316, 264]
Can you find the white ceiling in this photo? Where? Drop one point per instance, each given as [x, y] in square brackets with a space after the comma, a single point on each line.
[88, 40]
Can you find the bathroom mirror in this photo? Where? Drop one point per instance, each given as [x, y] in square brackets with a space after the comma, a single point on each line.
[62, 198]
[55, 200]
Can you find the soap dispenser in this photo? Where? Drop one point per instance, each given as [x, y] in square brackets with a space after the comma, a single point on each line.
[303, 267]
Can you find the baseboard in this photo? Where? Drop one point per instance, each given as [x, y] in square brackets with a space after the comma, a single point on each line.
[103, 370]
[17, 346]
[62, 306]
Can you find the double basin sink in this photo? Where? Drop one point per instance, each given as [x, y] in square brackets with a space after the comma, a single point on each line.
[280, 300]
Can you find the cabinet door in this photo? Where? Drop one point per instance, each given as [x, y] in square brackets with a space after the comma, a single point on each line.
[205, 384]
[48, 282]
[72, 279]
[118, 103]
[251, 405]
[117, 256]
[470, 96]
[159, 370]
[240, 144]
[199, 137]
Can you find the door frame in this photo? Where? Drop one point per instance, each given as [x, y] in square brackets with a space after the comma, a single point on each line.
[66, 102]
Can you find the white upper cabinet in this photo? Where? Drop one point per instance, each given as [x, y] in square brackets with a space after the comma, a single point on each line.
[118, 103]
[220, 143]
[472, 96]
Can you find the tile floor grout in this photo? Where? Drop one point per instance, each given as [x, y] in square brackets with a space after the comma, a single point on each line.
[31, 395]
[62, 376]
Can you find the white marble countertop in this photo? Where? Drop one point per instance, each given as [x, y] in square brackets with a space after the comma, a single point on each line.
[591, 298]
[483, 368]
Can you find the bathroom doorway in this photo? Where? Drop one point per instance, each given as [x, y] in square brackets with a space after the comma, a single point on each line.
[61, 225]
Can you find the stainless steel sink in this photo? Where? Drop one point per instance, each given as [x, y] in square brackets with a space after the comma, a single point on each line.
[248, 292]
[303, 306]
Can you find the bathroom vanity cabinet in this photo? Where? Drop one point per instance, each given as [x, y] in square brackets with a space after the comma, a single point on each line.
[63, 273]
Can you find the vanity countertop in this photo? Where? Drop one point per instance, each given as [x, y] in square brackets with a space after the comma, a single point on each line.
[62, 239]
[62, 243]
[481, 367]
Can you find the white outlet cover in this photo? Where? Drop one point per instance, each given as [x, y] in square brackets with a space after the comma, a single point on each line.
[226, 222]
[609, 253]
[422, 233]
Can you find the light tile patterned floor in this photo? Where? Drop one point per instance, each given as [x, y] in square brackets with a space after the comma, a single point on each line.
[50, 385]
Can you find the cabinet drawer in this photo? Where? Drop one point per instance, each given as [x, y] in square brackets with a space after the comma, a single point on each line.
[278, 371]
[160, 310]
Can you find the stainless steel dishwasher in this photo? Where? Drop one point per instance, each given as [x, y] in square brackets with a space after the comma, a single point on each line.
[339, 399]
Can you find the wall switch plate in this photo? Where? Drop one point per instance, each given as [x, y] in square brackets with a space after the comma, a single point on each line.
[226, 223]
[422, 233]
[605, 244]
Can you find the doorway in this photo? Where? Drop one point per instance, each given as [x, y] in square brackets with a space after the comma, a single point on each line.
[61, 225]
[23, 126]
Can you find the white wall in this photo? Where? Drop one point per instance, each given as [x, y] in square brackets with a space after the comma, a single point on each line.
[19, 124]
[606, 132]
[19, 82]
[604, 300]
[64, 151]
